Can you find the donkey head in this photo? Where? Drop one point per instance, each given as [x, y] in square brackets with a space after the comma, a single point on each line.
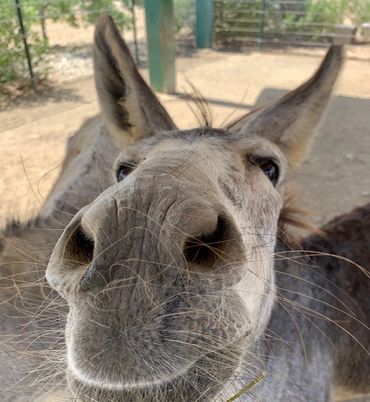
[169, 272]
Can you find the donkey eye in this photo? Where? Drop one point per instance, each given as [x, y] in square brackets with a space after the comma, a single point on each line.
[269, 168]
[123, 170]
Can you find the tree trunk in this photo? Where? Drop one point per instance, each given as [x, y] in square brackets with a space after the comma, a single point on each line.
[43, 22]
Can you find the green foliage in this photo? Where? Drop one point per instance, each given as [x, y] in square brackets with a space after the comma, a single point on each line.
[76, 12]
[12, 57]
[318, 21]
[236, 19]
[359, 11]
[93, 8]
[36, 14]
[324, 11]
[128, 3]
[184, 15]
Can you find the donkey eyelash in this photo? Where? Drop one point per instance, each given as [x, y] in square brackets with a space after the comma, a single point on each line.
[124, 169]
[269, 166]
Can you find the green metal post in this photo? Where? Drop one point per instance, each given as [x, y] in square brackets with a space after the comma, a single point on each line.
[204, 23]
[261, 23]
[134, 30]
[161, 44]
[25, 44]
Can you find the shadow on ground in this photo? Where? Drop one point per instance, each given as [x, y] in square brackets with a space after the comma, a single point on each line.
[22, 93]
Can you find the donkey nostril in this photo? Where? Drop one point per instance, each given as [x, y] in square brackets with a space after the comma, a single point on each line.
[206, 250]
[79, 248]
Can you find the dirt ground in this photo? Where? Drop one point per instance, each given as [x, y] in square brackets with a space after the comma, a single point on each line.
[337, 177]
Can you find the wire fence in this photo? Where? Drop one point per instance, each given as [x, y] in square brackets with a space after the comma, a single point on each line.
[289, 22]
[48, 38]
[43, 38]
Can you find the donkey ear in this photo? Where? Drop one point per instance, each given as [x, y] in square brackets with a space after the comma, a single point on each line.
[128, 105]
[291, 121]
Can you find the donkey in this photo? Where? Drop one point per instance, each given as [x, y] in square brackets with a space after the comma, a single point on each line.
[168, 264]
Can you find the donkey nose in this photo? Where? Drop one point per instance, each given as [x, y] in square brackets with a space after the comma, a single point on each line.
[79, 248]
[73, 254]
[212, 245]
[82, 251]
[95, 248]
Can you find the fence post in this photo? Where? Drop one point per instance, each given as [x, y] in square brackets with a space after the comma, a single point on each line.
[133, 15]
[161, 44]
[204, 23]
[25, 44]
[261, 23]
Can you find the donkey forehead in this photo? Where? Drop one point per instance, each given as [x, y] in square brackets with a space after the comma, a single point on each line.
[214, 146]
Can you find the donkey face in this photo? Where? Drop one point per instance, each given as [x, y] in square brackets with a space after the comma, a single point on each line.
[169, 272]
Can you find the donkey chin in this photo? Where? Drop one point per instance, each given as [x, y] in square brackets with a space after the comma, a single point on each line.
[203, 380]
[112, 349]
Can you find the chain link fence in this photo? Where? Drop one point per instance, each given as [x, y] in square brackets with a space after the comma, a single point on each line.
[52, 38]
[290, 22]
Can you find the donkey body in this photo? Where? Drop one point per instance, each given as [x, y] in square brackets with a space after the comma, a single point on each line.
[316, 346]
[164, 245]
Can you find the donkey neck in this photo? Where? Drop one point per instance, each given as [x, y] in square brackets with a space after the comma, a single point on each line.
[315, 343]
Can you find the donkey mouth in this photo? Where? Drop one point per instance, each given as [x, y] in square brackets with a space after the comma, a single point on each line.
[123, 340]
[156, 367]
[202, 380]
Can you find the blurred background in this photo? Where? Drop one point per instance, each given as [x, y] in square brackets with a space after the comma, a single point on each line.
[238, 53]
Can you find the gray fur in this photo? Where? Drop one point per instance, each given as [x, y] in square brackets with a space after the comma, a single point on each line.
[150, 319]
